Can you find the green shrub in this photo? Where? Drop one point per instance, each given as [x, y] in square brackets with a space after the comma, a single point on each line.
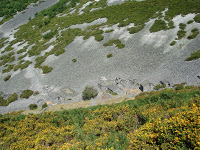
[7, 78]
[179, 86]
[171, 25]
[136, 29]
[193, 56]
[89, 93]
[197, 18]
[59, 51]
[159, 86]
[181, 34]
[26, 94]
[21, 51]
[35, 93]
[21, 57]
[182, 26]
[190, 21]
[12, 98]
[25, 65]
[33, 106]
[3, 102]
[50, 34]
[99, 37]
[46, 69]
[117, 42]
[8, 69]
[172, 43]
[194, 33]
[44, 105]
[74, 60]
[109, 55]
[158, 26]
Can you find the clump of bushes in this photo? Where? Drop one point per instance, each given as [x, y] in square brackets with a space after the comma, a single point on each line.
[12, 98]
[179, 86]
[181, 34]
[182, 26]
[190, 21]
[194, 33]
[197, 18]
[193, 56]
[33, 106]
[26, 94]
[109, 55]
[136, 29]
[117, 42]
[172, 43]
[159, 86]
[99, 37]
[50, 34]
[171, 24]
[74, 60]
[108, 31]
[7, 78]
[44, 105]
[158, 26]
[59, 51]
[46, 69]
[89, 92]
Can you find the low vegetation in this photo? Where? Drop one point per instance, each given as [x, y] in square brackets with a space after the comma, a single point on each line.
[117, 42]
[197, 18]
[7, 78]
[193, 56]
[26, 94]
[194, 33]
[89, 92]
[172, 43]
[166, 119]
[109, 55]
[44, 105]
[158, 26]
[159, 86]
[33, 106]
[136, 29]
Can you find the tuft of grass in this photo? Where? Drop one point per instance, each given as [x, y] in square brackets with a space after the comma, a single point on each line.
[172, 43]
[197, 18]
[99, 37]
[194, 34]
[33, 106]
[108, 31]
[46, 69]
[7, 78]
[190, 21]
[26, 94]
[158, 26]
[193, 56]
[117, 42]
[74, 60]
[109, 55]
[136, 29]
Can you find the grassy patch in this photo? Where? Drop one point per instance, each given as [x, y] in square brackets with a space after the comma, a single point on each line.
[172, 43]
[109, 55]
[8, 69]
[117, 42]
[74, 60]
[190, 21]
[46, 69]
[197, 18]
[136, 29]
[182, 26]
[7, 78]
[193, 56]
[108, 31]
[21, 51]
[26, 94]
[158, 26]
[33, 106]
[89, 92]
[194, 34]
[99, 37]
[181, 34]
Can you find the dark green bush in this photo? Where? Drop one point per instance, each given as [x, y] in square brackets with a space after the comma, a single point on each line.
[171, 25]
[35, 93]
[136, 29]
[159, 86]
[12, 98]
[117, 42]
[108, 31]
[190, 21]
[59, 51]
[33, 106]
[193, 56]
[99, 37]
[181, 34]
[7, 78]
[46, 69]
[26, 94]
[89, 92]
[172, 43]
[74, 60]
[109, 55]
[194, 33]
[197, 18]
[44, 105]
[182, 26]
[179, 86]
[158, 26]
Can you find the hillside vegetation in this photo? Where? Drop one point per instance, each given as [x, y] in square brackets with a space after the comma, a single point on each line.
[166, 119]
[55, 22]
